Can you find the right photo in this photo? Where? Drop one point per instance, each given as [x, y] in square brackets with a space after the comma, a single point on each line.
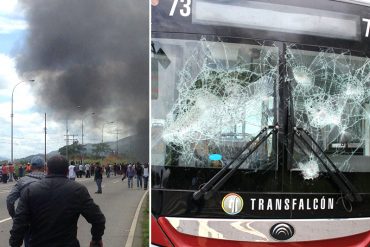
[260, 123]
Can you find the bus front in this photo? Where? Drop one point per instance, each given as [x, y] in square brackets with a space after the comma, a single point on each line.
[260, 123]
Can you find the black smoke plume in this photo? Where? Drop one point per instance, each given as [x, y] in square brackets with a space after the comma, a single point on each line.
[92, 54]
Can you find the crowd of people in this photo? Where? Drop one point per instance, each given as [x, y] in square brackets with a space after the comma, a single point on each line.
[10, 172]
[131, 171]
[138, 171]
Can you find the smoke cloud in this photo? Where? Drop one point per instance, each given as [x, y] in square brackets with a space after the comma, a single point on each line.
[92, 54]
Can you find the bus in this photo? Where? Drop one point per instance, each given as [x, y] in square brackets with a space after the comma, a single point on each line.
[260, 123]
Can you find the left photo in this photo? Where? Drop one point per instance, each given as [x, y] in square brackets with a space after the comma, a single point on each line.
[74, 123]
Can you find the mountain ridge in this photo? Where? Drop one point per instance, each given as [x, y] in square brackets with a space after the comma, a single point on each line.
[133, 148]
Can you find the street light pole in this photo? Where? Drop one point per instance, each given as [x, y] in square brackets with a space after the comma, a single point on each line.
[82, 128]
[67, 139]
[82, 132]
[45, 138]
[102, 130]
[82, 135]
[12, 116]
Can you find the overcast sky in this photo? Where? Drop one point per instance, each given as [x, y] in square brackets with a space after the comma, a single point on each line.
[89, 53]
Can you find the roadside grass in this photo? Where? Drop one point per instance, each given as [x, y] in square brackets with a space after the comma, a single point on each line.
[145, 223]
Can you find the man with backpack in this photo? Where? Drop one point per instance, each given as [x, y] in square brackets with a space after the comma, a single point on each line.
[36, 174]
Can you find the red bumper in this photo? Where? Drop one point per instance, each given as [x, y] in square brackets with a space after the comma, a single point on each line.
[164, 234]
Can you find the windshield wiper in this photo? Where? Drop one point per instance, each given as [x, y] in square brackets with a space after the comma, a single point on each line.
[239, 159]
[337, 176]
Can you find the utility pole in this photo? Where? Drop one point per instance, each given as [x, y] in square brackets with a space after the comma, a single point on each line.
[102, 130]
[68, 138]
[73, 140]
[117, 143]
[117, 132]
[82, 132]
[82, 135]
[45, 137]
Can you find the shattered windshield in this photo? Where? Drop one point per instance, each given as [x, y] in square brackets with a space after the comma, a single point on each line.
[211, 97]
[330, 93]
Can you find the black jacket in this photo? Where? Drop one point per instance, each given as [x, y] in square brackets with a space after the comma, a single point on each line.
[52, 207]
[98, 173]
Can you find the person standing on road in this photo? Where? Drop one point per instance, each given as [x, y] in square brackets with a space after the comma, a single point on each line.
[146, 175]
[36, 174]
[80, 170]
[107, 170]
[20, 171]
[87, 169]
[110, 169]
[4, 172]
[11, 172]
[72, 171]
[139, 175]
[52, 206]
[98, 177]
[115, 169]
[124, 170]
[92, 169]
[130, 174]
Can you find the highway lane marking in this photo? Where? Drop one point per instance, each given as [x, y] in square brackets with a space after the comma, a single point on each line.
[90, 179]
[4, 220]
[83, 180]
[130, 237]
[7, 187]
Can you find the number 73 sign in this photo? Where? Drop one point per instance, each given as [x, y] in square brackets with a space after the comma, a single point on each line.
[184, 7]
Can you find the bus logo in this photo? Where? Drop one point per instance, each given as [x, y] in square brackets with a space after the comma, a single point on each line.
[282, 231]
[232, 203]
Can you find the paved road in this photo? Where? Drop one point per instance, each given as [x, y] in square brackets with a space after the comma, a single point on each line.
[117, 202]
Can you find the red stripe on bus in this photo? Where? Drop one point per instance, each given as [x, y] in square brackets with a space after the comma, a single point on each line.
[185, 240]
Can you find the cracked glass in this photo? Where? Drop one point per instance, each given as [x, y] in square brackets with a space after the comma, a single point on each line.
[330, 92]
[211, 97]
